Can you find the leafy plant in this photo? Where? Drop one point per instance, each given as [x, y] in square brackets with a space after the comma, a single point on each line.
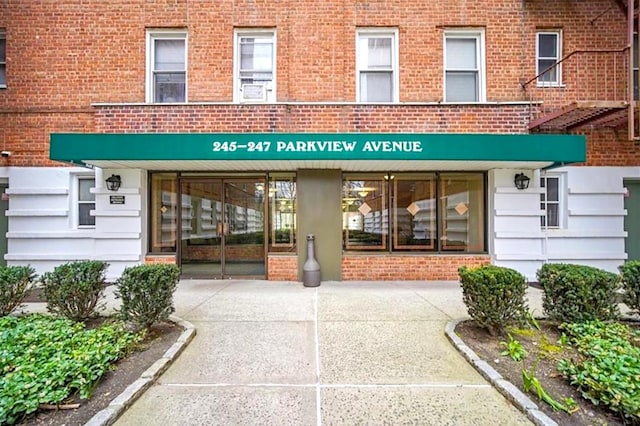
[531, 382]
[147, 293]
[609, 373]
[514, 349]
[576, 293]
[45, 360]
[630, 273]
[74, 290]
[15, 281]
[494, 296]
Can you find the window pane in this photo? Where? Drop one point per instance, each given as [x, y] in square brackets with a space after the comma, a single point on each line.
[415, 213]
[552, 189]
[3, 50]
[461, 53]
[553, 215]
[164, 216]
[282, 203]
[462, 87]
[169, 55]
[462, 211]
[84, 216]
[169, 87]
[549, 76]
[376, 87]
[547, 45]
[379, 53]
[3, 76]
[365, 217]
[84, 192]
[256, 56]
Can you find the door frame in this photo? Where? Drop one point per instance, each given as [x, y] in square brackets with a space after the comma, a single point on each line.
[223, 180]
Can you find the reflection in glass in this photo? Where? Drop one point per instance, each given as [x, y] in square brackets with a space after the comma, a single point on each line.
[164, 215]
[462, 211]
[415, 212]
[282, 202]
[365, 216]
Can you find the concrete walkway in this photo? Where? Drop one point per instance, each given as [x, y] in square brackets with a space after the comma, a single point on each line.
[344, 353]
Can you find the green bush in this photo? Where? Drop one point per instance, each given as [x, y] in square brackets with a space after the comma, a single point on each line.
[494, 296]
[630, 272]
[14, 283]
[577, 293]
[46, 360]
[608, 369]
[74, 290]
[147, 293]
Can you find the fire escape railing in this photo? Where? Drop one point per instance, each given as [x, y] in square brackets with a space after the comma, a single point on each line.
[583, 76]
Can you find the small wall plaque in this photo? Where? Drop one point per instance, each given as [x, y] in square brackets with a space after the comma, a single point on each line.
[116, 199]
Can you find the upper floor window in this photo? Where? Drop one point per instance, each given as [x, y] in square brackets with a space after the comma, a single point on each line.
[548, 53]
[377, 65]
[464, 66]
[86, 202]
[3, 59]
[167, 66]
[550, 202]
[255, 66]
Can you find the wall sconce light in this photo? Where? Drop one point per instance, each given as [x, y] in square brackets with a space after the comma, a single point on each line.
[521, 181]
[113, 182]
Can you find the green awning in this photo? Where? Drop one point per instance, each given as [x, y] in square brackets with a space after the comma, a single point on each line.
[109, 149]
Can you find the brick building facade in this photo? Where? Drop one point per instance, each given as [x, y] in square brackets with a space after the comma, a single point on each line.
[219, 118]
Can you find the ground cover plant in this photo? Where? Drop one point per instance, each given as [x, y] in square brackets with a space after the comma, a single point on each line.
[44, 361]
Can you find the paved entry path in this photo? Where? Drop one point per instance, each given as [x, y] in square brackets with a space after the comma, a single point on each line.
[344, 353]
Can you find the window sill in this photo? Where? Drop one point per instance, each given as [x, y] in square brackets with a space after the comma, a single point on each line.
[551, 85]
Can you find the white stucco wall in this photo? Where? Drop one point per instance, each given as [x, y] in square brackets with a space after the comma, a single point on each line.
[43, 229]
[592, 232]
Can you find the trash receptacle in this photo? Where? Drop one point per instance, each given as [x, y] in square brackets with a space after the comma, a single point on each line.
[311, 267]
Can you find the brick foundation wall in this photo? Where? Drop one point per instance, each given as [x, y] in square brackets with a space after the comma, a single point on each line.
[152, 259]
[282, 268]
[408, 267]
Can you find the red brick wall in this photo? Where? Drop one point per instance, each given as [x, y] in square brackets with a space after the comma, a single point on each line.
[407, 267]
[282, 268]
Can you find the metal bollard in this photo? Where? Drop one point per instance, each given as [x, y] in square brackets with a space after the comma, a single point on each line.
[311, 267]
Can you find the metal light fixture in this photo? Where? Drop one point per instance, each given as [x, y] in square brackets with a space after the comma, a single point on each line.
[113, 182]
[521, 181]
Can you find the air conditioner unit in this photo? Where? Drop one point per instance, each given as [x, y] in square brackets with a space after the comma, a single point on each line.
[253, 93]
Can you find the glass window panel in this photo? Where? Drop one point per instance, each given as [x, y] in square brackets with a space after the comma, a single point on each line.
[462, 212]
[415, 211]
[552, 189]
[379, 53]
[462, 87]
[256, 56]
[282, 204]
[547, 45]
[169, 87]
[3, 49]
[461, 53]
[84, 214]
[3, 76]
[85, 186]
[164, 214]
[169, 55]
[553, 215]
[376, 87]
[549, 76]
[365, 216]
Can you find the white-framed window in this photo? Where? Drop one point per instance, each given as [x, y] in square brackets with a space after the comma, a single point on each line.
[548, 53]
[255, 66]
[3, 59]
[86, 201]
[377, 65]
[551, 201]
[166, 66]
[464, 79]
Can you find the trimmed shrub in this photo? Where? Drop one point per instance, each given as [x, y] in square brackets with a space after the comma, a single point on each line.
[147, 293]
[73, 290]
[14, 283]
[578, 293]
[630, 273]
[494, 296]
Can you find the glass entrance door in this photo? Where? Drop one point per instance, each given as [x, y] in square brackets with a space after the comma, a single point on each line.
[222, 228]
